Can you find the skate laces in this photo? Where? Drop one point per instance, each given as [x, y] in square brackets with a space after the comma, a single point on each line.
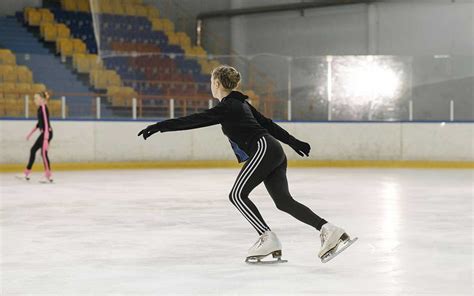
[261, 240]
[324, 236]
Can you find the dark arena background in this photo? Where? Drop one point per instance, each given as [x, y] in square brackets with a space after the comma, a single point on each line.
[382, 91]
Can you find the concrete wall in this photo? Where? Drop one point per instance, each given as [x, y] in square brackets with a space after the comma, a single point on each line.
[9, 7]
[89, 141]
[398, 27]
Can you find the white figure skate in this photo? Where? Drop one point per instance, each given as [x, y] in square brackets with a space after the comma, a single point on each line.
[267, 244]
[334, 240]
[46, 180]
[23, 177]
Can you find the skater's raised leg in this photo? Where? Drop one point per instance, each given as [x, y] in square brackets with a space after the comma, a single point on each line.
[334, 240]
[277, 186]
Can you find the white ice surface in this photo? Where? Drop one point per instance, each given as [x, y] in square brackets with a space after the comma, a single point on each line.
[174, 232]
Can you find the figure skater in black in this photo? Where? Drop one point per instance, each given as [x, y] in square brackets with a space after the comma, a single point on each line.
[254, 139]
[43, 140]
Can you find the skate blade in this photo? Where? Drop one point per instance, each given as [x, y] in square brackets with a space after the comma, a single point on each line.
[258, 259]
[46, 182]
[338, 249]
[257, 262]
[22, 178]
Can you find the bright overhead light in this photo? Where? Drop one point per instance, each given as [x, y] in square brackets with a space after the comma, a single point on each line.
[366, 79]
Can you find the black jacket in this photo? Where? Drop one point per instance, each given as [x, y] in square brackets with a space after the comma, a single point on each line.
[41, 118]
[240, 121]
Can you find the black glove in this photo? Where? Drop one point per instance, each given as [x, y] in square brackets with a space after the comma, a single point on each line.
[302, 148]
[149, 130]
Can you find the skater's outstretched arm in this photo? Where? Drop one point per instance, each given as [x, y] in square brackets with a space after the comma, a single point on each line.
[302, 148]
[208, 117]
[31, 133]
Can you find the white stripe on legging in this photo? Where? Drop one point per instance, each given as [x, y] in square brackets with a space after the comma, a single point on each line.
[240, 184]
[233, 191]
[239, 194]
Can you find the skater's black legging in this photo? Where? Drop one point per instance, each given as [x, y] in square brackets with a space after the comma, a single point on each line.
[44, 152]
[267, 163]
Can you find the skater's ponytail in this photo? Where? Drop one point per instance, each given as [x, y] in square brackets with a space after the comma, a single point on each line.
[44, 95]
[228, 76]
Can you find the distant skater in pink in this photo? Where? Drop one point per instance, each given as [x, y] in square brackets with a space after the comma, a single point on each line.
[42, 142]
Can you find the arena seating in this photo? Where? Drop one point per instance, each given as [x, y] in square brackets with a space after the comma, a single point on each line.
[15, 83]
[142, 55]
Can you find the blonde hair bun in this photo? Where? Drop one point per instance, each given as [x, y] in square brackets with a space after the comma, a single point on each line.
[227, 75]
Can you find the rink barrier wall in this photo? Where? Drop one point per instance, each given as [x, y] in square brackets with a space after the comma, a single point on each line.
[10, 168]
[91, 144]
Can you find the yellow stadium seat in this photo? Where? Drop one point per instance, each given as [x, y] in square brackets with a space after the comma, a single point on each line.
[55, 107]
[141, 10]
[83, 65]
[113, 79]
[184, 39]
[38, 87]
[118, 9]
[9, 90]
[7, 58]
[95, 62]
[173, 38]
[76, 57]
[34, 17]
[23, 88]
[66, 47]
[46, 15]
[98, 78]
[69, 5]
[26, 12]
[112, 90]
[156, 24]
[49, 31]
[10, 59]
[83, 5]
[213, 64]
[92, 76]
[101, 81]
[121, 96]
[42, 26]
[118, 2]
[14, 107]
[200, 51]
[130, 9]
[59, 43]
[168, 25]
[79, 46]
[63, 31]
[152, 12]
[10, 76]
[24, 75]
[4, 69]
[105, 7]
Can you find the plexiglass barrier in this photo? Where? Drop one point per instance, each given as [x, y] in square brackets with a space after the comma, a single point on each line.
[138, 83]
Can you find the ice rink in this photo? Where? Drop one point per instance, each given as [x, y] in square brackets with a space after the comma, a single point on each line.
[174, 232]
